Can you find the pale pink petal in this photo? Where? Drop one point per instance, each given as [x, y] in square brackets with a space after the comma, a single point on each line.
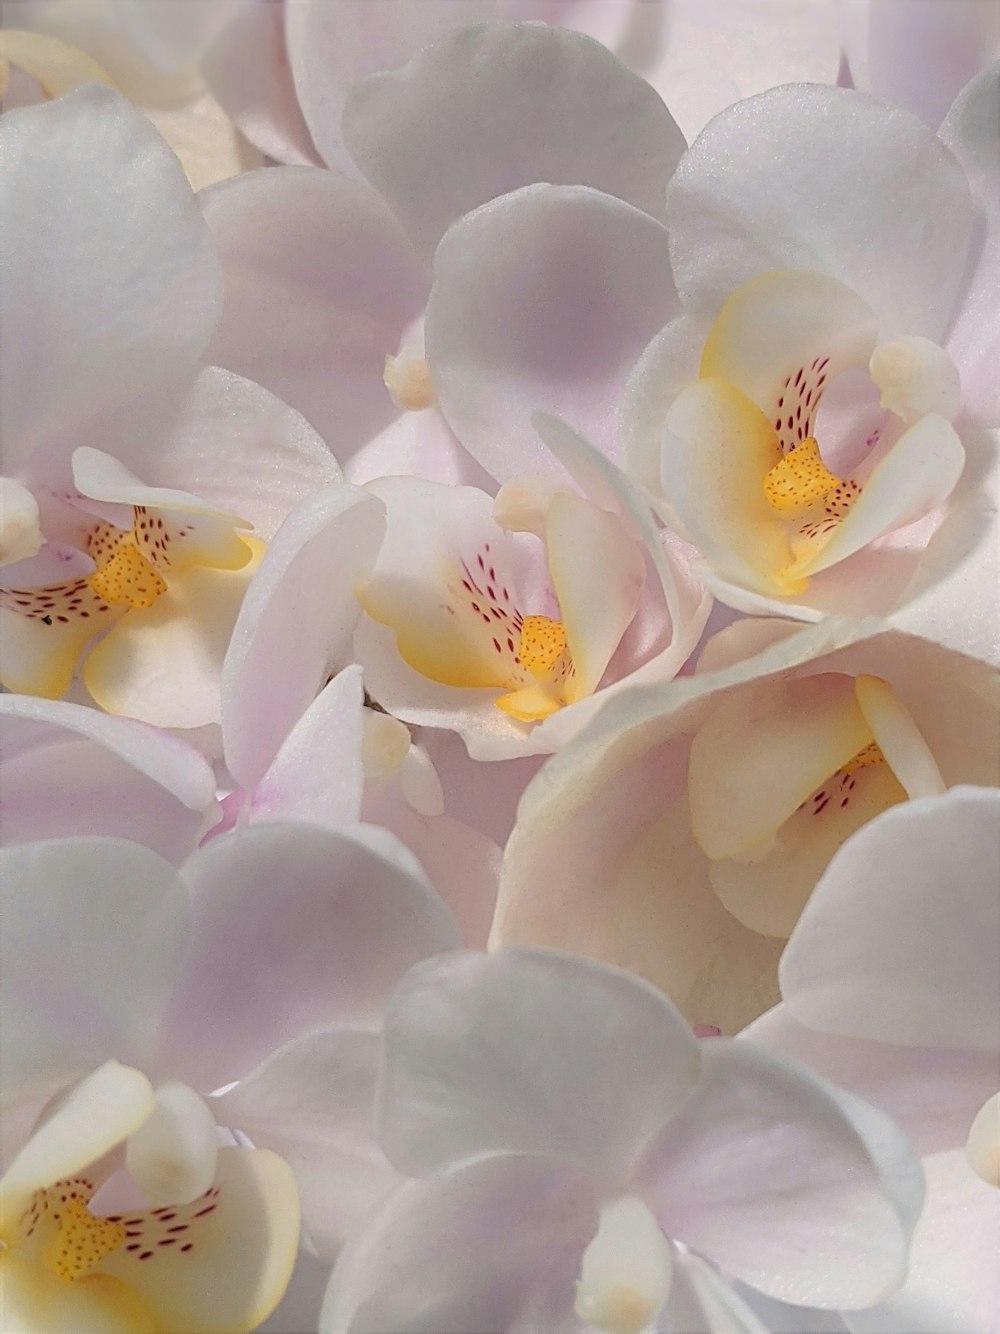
[486, 110]
[495, 1246]
[417, 444]
[923, 971]
[94, 933]
[68, 771]
[953, 1286]
[338, 917]
[969, 131]
[543, 300]
[321, 281]
[108, 307]
[701, 1300]
[248, 72]
[242, 450]
[769, 1172]
[823, 178]
[297, 614]
[932, 1092]
[526, 1051]
[918, 54]
[174, 33]
[333, 44]
[312, 1102]
[317, 773]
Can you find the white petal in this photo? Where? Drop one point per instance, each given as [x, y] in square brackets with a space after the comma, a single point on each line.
[529, 1051]
[923, 970]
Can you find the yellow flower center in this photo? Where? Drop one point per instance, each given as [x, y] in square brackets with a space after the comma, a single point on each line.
[127, 578]
[543, 651]
[80, 1241]
[800, 479]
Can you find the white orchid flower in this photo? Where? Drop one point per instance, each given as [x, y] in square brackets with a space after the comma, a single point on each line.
[682, 832]
[585, 1163]
[797, 418]
[125, 469]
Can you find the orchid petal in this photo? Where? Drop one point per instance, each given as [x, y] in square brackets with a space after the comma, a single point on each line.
[68, 770]
[94, 1117]
[240, 1257]
[917, 474]
[176, 34]
[821, 178]
[163, 663]
[100, 476]
[701, 1300]
[952, 1286]
[767, 894]
[969, 131]
[598, 575]
[312, 1101]
[763, 752]
[525, 1052]
[937, 981]
[317, 773]
[767, 1171]
[43, 632]
[716, 448]
[101, 1305]
[485, 110]
[898, 738]
[495, 1245]
[97, 346]
[543, 300]
[293, 622]
[109, 922]
[291, 317]
[248, 72]
[57, 66]
[928, 1091]
[244, 451]
[339, 915]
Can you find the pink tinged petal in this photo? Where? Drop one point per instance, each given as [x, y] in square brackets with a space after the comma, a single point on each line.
[948, 599]
[495, 1245]
[784, 1182]
[163, 664]
[917, 54]
[823, 178]
[918, 473]
[419, 444]
[924, 970]
[230, 1267]
[317, 774]
[297, 616]
[486, 110]
[931, 1092]
[20, 534]
[334, 44]
[543, 299]
[952, 1286]
[94, 1117]
[969, 131]
[68, 771]
[243, 451]
[763, 751]
[598, 575]
[529, 1052]
[340, 917]
[175, 34]
[702, 1300]
[321, 282]
[248, 72]
[94, 931]
[108, 309]
[716, 447]
[312, 1102]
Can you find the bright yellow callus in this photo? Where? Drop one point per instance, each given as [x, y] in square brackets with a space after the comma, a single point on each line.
[800, 479]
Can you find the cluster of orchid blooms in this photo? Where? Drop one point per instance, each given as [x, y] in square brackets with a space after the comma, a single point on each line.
[499, 635]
